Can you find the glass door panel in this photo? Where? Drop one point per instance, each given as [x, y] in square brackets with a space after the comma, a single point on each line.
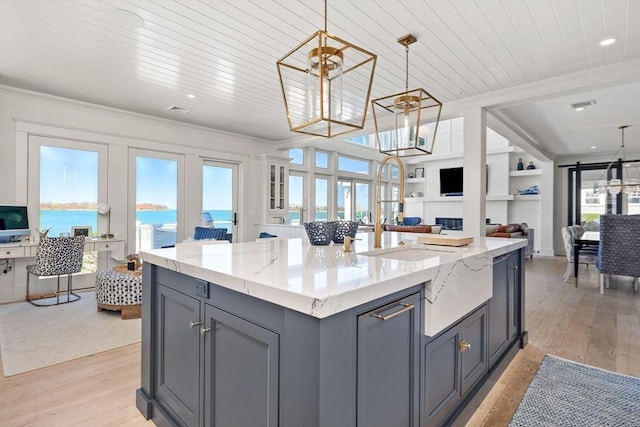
[322, 199]
[344, 199]
[361, 208]
[296, 199]
[219, 195]
[156, 202]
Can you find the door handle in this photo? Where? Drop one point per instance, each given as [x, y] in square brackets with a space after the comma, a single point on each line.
[405, 307]
[235, 218]
[464, 345]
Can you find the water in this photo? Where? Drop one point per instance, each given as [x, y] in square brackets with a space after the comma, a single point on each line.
[62, 221]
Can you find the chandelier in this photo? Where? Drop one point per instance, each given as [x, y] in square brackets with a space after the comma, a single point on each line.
[622, 184]
[403, 110]
[326, 84]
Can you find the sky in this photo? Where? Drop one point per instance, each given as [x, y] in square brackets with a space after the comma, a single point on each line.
[70, 175]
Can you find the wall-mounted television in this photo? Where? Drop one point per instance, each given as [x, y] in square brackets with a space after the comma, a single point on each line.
[14, 223]
[451, 181]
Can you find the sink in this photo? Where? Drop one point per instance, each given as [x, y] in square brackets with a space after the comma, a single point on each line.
[411, 253]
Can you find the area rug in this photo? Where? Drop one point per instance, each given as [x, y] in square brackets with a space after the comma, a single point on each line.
[565, 393]
[34, 337]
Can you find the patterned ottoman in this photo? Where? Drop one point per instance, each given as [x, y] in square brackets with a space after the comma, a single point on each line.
[120, 291]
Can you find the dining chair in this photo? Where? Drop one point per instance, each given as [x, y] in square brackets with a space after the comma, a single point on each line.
[618, 249]
[587, 258]
[209, 233]
[57, 256]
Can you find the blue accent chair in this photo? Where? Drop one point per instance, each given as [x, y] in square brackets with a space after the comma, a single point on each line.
[618, 248]
[210, 233]
[411, 220]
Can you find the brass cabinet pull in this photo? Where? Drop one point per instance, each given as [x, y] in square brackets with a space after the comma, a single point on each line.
[464, 345]
[204, 331]
[193, 324]
[405, 307]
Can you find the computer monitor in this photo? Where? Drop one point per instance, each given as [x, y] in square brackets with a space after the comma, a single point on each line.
[14, 223]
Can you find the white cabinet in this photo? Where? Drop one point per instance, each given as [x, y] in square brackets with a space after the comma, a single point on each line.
[276, 172]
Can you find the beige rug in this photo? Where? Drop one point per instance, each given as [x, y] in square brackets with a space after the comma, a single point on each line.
[34, 337]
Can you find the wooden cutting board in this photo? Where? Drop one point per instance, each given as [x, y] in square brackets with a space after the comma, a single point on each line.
[439, 239]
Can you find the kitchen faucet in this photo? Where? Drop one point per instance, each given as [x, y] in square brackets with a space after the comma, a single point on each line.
[378, 227]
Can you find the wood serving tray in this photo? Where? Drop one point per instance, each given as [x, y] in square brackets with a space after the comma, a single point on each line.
[438, 239]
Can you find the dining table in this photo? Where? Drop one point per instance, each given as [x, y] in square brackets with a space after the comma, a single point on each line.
[586, 239]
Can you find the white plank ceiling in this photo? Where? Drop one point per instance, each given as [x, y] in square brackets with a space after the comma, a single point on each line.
[224, 53]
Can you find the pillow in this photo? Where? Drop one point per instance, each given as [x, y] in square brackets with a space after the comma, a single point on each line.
[492, 229]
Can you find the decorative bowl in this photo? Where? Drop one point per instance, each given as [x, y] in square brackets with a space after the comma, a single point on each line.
[320, 232]
[344, 229]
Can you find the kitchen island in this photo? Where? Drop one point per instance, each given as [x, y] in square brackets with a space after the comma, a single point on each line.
[281, 333]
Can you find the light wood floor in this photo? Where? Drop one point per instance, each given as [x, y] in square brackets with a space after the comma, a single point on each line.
[577, 324]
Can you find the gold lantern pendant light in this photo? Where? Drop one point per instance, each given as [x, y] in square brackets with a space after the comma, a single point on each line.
[326, 84]
[402, 111]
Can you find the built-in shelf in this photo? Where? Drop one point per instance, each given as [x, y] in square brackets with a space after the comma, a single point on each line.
[526, 172]
[414, 199]
[414, 180]
[527, 197]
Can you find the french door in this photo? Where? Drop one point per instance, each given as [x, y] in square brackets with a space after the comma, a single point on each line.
[353, 200]
[220, 195]
[586, 202]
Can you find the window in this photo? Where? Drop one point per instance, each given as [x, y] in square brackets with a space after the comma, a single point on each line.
[321, 211]
[297, 154]
[322, 159]
[68, 189]
[296, 199]
[348, 164]
[366, 140]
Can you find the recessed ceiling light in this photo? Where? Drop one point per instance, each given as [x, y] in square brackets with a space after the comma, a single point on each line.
[608, 42]
[580, 109]
[191, 96]
[593, 147]
[126, 19]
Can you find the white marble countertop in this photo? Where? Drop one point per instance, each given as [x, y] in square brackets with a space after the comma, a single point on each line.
[324, 280]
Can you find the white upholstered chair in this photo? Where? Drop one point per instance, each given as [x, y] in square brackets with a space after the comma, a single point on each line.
[585, 257]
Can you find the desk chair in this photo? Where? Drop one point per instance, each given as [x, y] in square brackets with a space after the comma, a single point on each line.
[57, 256]
[618, 249]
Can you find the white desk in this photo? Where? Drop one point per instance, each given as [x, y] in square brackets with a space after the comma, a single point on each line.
[29, 249]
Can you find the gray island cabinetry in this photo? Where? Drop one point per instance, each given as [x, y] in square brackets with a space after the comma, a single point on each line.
[213, 354]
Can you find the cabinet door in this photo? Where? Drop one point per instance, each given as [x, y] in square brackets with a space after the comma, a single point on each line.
[388, 365]
[177, 369]
[472, 348]
[441, 376]
[241, 372]
[498, 307]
